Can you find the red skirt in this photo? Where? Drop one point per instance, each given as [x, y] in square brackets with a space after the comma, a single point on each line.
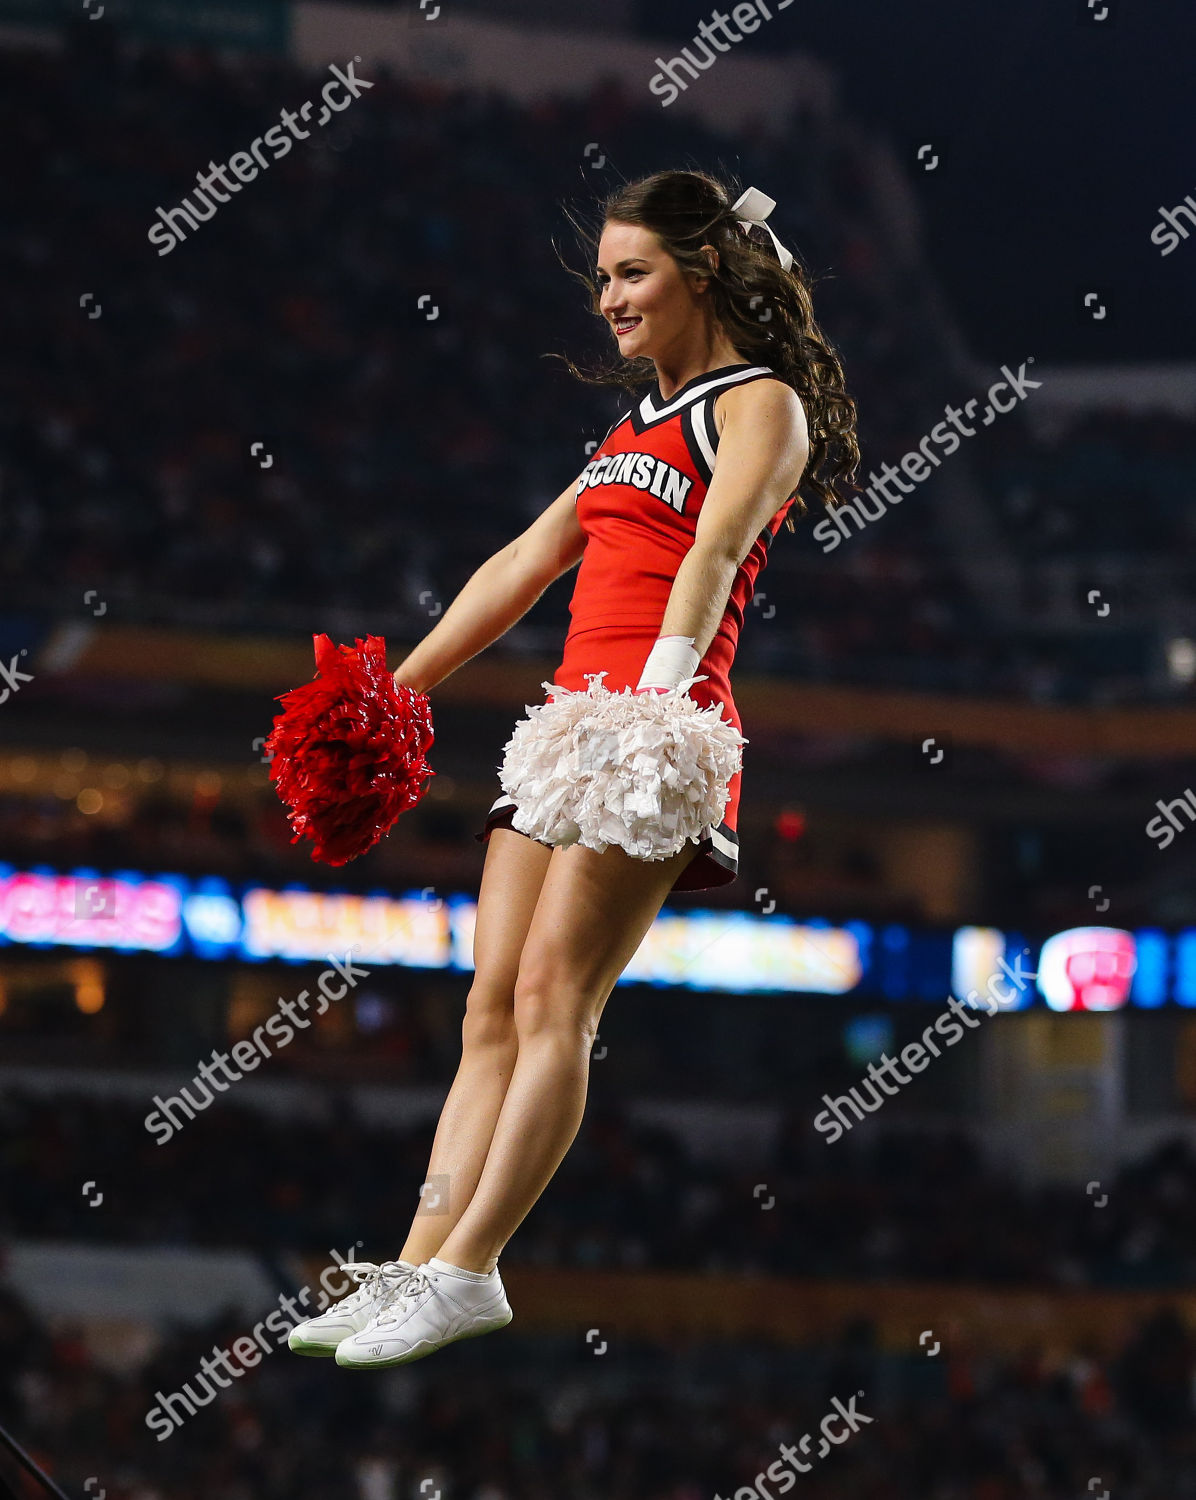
[621, 651]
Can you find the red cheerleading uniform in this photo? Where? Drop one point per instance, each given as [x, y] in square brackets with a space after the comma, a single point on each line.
[638, 501]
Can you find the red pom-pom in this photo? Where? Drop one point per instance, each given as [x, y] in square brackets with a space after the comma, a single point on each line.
[348, 750]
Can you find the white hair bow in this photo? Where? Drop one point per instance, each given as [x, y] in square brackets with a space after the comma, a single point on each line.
[753, 207]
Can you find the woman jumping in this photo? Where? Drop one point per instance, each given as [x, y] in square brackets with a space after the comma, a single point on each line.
[672, 520]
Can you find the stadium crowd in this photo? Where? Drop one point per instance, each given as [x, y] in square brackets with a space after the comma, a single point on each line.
[1147, 461]
[292, 320]
[518, 1418]
[628, 1195]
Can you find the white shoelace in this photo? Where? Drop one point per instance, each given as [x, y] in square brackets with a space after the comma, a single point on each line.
[414, 1284]
[390, 1277]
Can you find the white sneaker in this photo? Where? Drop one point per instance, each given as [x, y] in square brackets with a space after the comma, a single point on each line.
[437, 1306]
[379, 1284]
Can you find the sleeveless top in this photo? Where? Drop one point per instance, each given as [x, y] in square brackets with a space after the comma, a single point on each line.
[638, 501]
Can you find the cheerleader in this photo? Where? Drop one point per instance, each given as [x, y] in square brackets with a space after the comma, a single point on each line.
[671, 520]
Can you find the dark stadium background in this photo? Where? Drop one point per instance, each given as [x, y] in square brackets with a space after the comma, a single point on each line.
[1001, 1258]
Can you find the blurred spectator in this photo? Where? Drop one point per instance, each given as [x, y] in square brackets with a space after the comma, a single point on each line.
[627, 1195]
[403, 451]
[518, 1418]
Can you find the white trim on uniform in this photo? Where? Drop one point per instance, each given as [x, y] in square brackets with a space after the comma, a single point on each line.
[649, 412]
[701, 434]
[723, 844]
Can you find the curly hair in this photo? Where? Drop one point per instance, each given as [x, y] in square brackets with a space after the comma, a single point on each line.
[687, 210]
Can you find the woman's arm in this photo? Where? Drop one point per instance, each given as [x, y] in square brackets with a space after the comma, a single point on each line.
[498, 594]
[762, 453]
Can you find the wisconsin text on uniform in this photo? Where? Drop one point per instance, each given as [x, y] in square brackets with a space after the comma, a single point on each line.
[644, 471]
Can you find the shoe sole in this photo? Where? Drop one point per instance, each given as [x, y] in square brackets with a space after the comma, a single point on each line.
[303, 1346]
[423, 1349]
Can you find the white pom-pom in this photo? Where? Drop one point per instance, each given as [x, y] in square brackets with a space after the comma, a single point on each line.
[647, 773]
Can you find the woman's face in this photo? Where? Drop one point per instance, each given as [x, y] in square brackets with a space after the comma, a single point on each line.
[647, 299]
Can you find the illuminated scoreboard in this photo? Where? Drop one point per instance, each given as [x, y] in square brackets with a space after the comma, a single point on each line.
[126, 911]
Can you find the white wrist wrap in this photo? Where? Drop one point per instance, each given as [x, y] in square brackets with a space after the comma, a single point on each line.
[670, 661]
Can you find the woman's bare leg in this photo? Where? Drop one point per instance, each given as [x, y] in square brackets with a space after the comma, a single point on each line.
[511, 880]
[593, 912]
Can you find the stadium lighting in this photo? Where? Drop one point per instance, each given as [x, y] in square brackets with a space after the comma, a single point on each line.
[1181, 659]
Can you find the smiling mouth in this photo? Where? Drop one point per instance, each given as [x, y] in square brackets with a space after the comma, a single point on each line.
[625, 325]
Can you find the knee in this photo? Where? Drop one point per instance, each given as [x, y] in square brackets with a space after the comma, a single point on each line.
[489, 1020]
[547, 1005]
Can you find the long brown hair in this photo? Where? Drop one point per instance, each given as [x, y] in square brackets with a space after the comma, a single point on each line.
[767, 312]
